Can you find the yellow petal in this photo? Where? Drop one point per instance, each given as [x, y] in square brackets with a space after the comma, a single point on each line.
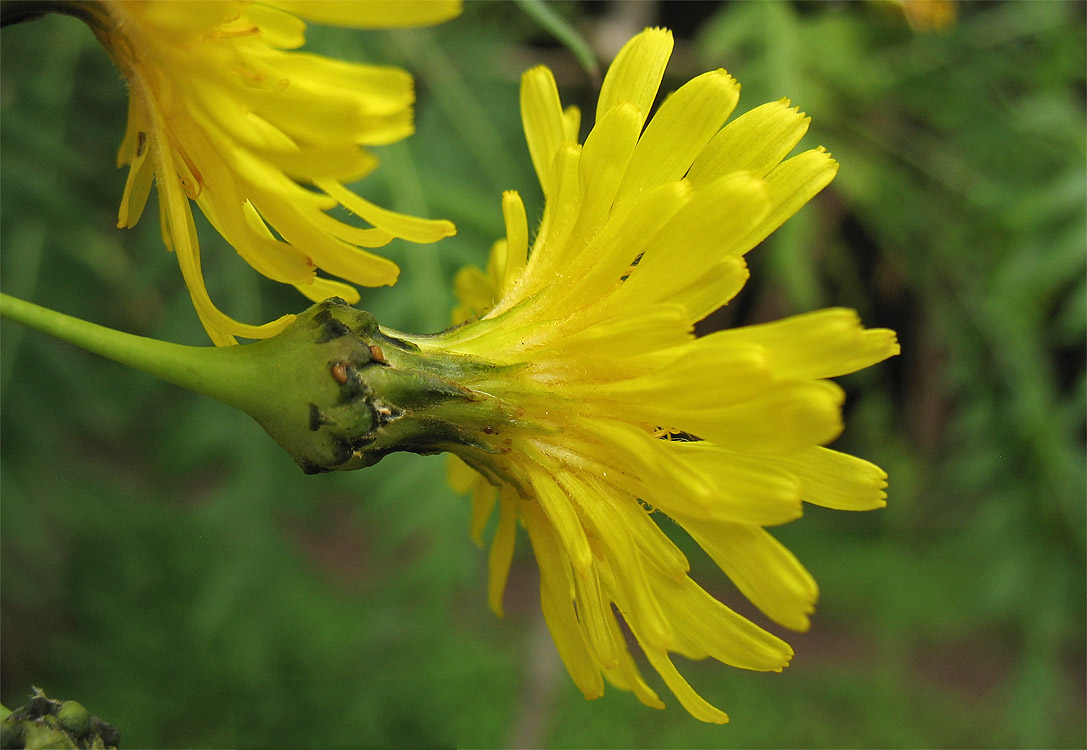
[571, 124]
[373, 14]
[475, 292]
[179, 231]
[327, 252]
[594, 613]
[837, 480]
[174, 18]
[516, 255]
[603, 165]
[559, 509]
[141, 175]
[653, 544]
[608, 256]
[763, 570]
[571, 644]
[626, 676]
[680, 129]
[134, 125]
[714, 289]
[341, 162]
[319, 289]
[360, 236]
[556, 599]
[564, 203]
[551, 556]
[706, 627]
[365, 90]
[484, 495]
[238, 221]
[755, 142]
[821, 344]
[621, 571]
[549, 261]
[696, 238]
[789, 186]
[501, 556]
[330, 101]
[658, 326]
[635, 75]
[541, 114]
[410, 228]
[702, 376]
[746, 490]
[280, 202]
[279, 28]
[637, 600]
[805, 413]
[233, 127]
[696, 705]
[619, 444]
[461, 476]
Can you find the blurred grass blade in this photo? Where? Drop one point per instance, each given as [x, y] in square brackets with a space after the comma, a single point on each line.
[542, 13]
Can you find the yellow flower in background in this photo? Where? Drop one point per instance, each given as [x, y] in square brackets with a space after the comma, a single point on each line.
[222, 112]
[928, 15]
[618, 424]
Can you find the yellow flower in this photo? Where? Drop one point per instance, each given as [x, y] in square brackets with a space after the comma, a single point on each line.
[928, 15]
[613, 417]
[263, 139]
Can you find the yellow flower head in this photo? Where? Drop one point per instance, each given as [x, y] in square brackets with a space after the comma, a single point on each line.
[614, 416]
[221, 112]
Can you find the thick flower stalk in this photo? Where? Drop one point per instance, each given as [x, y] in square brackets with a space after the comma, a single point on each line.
[224, 113]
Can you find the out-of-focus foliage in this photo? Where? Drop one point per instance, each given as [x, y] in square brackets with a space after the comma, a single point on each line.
[166, 565]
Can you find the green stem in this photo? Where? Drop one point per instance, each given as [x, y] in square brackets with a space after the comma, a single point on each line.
[334, 389]
[206, 370]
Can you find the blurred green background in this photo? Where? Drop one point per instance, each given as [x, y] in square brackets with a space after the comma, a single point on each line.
[164, 563]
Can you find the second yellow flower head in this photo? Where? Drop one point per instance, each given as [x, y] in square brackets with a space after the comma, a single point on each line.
[223, 112]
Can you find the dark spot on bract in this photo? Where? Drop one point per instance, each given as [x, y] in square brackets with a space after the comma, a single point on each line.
[341, 452]
[359, 443]
[316, 417]
[40, 706]
[354, 387]
[111, 735]
[331, 329]
[309, 467]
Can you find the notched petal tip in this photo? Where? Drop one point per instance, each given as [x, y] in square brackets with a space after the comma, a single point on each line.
[888, 340]
[833, 163]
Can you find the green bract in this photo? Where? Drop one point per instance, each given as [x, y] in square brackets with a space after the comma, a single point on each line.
[338, 392]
